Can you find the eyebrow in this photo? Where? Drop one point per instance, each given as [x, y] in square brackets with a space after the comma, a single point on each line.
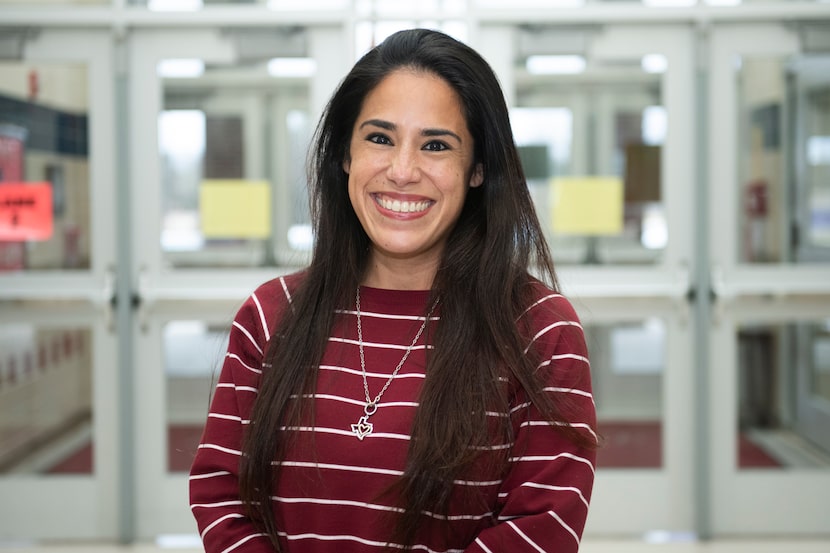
[389, 126]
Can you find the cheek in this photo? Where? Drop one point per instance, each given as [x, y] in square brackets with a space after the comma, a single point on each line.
[455, 183]
[351, 188]
[355, 191]
[359, 167]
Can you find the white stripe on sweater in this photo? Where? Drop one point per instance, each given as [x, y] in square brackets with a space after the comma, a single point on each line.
[551, 487]
[215, 505]
[373, 506]
[239, 388]
[347, 370]
[551, 327]
[582, 425]
[248, 334]
[344, 432]
[285, 289]
[564, 356]
[527, 404]
[539, 301]
[360, 402]
[374, 470]
[332, 466]
[220, 448]
[525, 537]
[569, 391]
[564, 525]
[242, 541]
[323, 537]
[219, 520]
[386, 315]
[552, 458]
[261, 317]
[380, 345]
[481, 545]
[241, 362]
[233, 418]
[209, 475]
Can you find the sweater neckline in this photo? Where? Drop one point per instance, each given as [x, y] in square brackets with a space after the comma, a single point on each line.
[397, 299]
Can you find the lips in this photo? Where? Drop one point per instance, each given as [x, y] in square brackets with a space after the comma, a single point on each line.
[402, 206]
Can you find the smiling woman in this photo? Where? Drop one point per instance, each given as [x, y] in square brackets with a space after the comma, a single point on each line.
[414, 388]
[410, 164]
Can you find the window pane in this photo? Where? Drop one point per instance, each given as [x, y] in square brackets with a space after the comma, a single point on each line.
[233, 144]
[597, 126]
[816, 163]
[43, 139]
[193, 353]
[784, 396]
[45, 400]
[628, 361]
[784, 172]
[819, 360]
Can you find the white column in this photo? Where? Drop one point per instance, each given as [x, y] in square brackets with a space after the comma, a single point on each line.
[496, 44]
[328, 47]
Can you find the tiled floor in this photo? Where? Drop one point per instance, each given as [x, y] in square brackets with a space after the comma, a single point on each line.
[755, 546]
[589, 546]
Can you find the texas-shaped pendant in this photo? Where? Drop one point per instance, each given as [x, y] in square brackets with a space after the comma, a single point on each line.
[362, 427]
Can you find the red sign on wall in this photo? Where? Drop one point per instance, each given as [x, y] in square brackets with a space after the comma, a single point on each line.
[26, 211]
[11, 153]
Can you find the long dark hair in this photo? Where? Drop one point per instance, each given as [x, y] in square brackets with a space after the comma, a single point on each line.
[483, 284]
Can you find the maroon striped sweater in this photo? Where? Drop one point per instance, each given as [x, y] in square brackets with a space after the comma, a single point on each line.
[331, 498]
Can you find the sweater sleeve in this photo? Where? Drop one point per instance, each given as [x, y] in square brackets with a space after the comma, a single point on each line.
[214, 485]
[544, 498]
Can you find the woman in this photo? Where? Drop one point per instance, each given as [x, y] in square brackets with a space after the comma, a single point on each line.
[415, 387]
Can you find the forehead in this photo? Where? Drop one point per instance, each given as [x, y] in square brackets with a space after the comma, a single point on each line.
[405, 93]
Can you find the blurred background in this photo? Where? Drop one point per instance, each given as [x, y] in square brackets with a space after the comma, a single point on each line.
[152, 174]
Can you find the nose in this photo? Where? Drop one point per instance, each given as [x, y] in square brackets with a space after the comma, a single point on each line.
[403, 166]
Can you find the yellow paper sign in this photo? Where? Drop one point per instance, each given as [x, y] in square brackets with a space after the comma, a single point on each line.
[235, 208]
[587, 205]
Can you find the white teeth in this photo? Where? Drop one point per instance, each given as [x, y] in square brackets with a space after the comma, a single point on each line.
[399, 206]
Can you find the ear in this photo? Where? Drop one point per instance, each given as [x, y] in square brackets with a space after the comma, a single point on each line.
[347, 165]
[478, 176]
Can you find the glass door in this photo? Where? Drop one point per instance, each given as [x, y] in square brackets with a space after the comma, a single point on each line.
[768, 202]
[603, 120]
[58, 354]
[639, 129]
[220, 126]
[809, 88]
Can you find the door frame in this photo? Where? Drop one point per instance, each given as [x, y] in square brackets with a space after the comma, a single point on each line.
[750, 501]
[168, 293]
[63, 298]
[618, 294]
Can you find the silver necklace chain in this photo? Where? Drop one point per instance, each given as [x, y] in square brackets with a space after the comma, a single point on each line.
[363, 427]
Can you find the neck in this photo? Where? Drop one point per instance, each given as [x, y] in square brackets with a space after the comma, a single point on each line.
[399, 274]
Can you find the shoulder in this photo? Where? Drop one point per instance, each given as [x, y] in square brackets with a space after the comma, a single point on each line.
[266, 304]
[550, 319]
[277, 292]
[544, 304]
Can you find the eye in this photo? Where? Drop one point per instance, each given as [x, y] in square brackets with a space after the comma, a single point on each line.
[378, 138]
[436, 146]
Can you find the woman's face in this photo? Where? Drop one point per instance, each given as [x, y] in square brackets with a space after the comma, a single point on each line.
[410, 165]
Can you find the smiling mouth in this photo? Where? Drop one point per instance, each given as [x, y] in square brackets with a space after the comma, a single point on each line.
[404, 206]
